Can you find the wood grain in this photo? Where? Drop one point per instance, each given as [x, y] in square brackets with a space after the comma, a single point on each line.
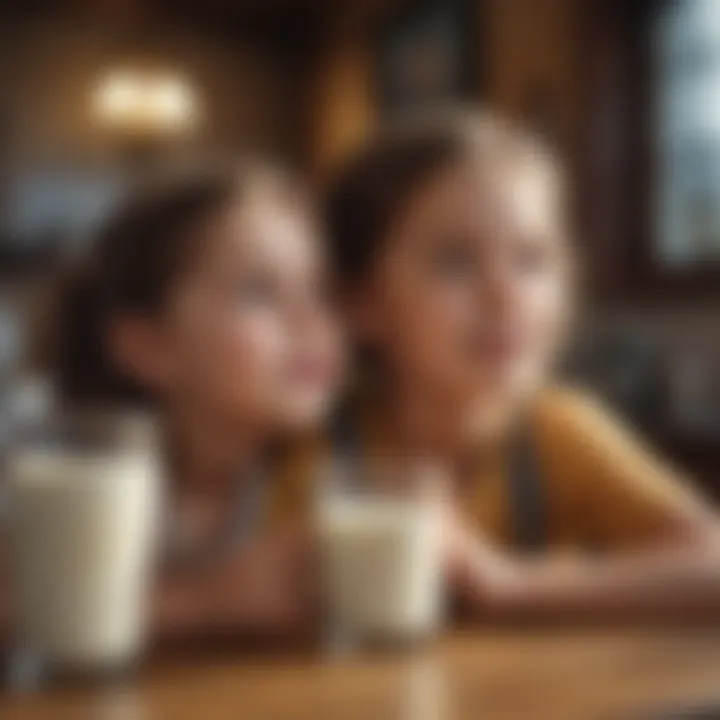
[480, 674]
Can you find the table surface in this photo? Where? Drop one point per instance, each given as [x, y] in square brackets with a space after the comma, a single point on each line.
[577, 674]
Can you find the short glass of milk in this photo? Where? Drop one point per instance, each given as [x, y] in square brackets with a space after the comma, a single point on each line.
[381, 568]
[83, 496]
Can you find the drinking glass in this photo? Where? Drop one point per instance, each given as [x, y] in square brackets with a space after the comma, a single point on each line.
[83, 494]
[381, 566]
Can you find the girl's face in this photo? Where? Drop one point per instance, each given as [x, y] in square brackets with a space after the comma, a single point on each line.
[248, 333]
[469, 297]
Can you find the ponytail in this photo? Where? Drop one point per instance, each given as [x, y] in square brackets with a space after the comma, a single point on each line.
[136, 258]
[84, 371]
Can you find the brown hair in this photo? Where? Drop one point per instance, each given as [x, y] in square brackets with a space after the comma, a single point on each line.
[374, 185]
[136, 259]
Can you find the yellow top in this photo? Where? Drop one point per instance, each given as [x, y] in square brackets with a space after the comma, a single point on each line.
[600, 487]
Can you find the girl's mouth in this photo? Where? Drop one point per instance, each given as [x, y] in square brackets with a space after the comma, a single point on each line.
[309, 369]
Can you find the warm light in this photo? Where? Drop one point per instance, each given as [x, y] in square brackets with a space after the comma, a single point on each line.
[116, 95]
[172, 100]
[145, 102]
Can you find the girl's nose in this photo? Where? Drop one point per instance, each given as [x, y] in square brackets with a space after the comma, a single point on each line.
[497, 287]
[302, 314]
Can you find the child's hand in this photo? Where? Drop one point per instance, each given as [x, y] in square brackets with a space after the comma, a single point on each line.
[477, 572]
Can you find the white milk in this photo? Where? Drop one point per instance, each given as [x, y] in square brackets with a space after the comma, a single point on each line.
[382, 566]
[84, 527]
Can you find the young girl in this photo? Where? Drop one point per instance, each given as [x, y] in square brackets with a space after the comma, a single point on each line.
[205, 302]
[449, 240]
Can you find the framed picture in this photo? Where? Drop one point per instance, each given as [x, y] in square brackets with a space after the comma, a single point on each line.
[426, 55]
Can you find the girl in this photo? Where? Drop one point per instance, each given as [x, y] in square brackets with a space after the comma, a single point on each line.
[448, 237]
[205, 301]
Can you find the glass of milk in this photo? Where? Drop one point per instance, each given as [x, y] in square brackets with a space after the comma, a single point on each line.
[381, 567]
[83, 497]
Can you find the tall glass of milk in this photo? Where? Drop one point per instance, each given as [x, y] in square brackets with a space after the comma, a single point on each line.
[83, 501]
[381, 567]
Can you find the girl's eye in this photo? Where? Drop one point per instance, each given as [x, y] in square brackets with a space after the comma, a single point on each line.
[321, 292]
[257, 291]
[453, 261]
[533, 258]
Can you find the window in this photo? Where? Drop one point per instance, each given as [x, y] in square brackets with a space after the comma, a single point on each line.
[686, 60]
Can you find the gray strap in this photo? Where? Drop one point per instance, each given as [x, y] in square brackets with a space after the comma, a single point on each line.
[526, 496]
[248, 506]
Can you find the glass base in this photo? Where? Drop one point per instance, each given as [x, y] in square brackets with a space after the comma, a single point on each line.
[344, 642]
[28, 671]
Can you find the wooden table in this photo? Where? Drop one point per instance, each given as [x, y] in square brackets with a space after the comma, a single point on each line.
[479, 674]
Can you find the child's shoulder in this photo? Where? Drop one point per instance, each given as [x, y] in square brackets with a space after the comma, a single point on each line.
[574, 428]
[580, 437]
[572, 410]
[559, 398]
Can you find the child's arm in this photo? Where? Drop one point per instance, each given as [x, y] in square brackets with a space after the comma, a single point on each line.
[655, 541]
[264, 587]
[680, 581]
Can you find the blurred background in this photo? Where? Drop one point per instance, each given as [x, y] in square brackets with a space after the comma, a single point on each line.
[96, 95]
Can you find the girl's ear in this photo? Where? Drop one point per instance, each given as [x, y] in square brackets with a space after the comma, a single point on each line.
[137, 347]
